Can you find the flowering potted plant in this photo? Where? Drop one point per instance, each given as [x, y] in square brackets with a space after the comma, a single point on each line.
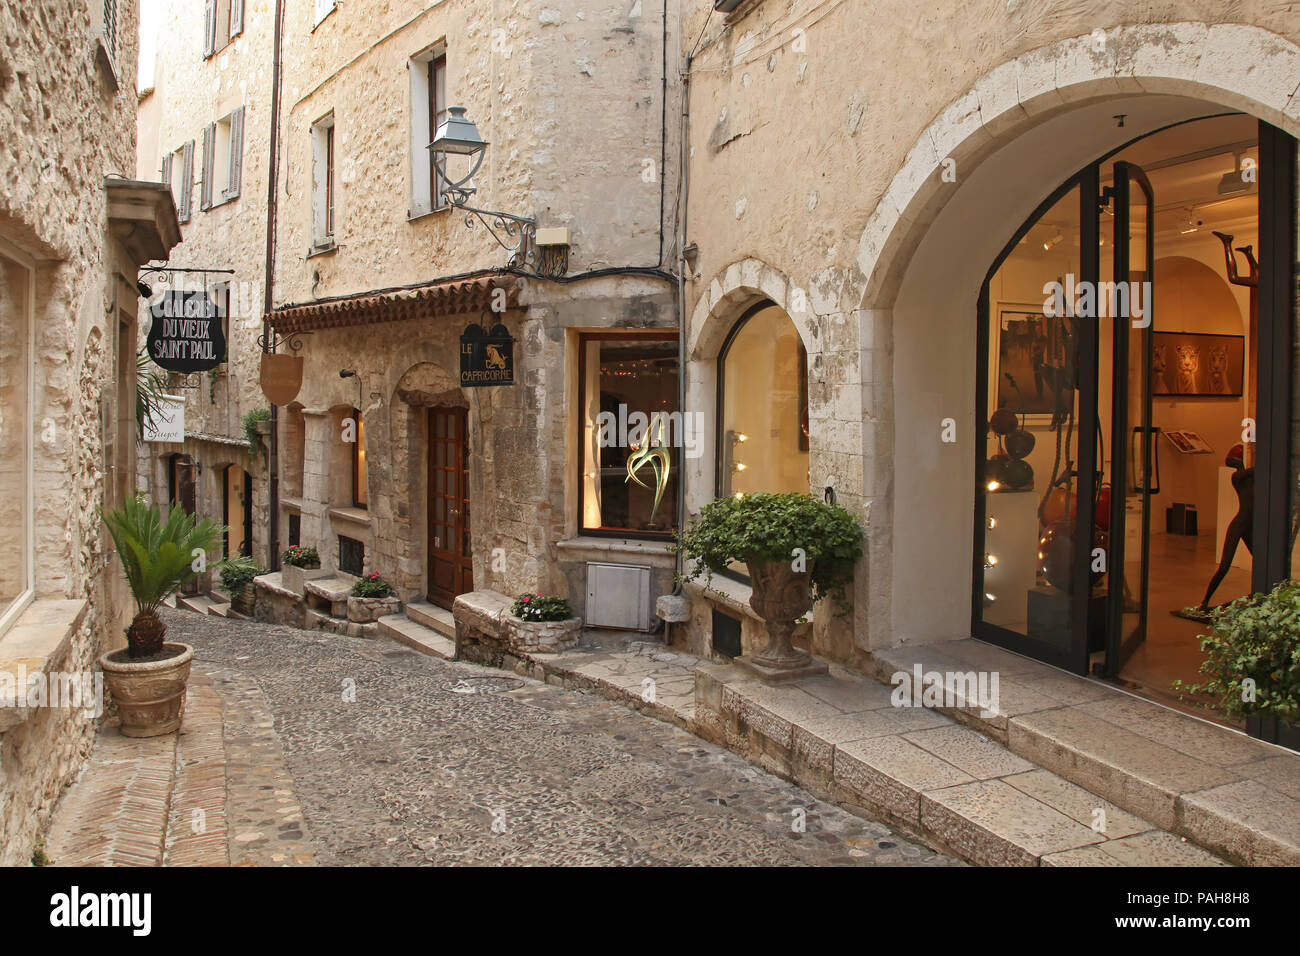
[542, 624]
[294, 563]
[372, 597]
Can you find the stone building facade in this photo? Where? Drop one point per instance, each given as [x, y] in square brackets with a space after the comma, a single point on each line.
[75, 225]
[205, 129]
[385, 455]
[865, 208]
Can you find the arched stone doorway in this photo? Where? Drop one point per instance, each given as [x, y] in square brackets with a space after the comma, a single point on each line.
[969, 184]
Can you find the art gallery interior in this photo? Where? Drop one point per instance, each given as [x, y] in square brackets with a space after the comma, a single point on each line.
[1181, 207]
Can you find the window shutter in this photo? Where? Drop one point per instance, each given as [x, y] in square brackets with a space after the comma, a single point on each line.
[209, 28]
[167, 168]
[236, 17]
[209, 144]
[187, 181]
[236, 151]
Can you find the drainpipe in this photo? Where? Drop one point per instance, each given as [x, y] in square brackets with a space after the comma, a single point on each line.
[683, 188]
[273, 452]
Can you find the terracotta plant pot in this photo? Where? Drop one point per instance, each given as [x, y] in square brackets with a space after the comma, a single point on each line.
[780, 596]
[150, 695]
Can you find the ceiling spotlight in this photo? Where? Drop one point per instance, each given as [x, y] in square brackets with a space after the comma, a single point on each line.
[1055, 240]
[1234, 182]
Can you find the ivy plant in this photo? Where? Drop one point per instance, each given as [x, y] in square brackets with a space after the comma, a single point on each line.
[823, 538]
[249, 421]
[1252, 658]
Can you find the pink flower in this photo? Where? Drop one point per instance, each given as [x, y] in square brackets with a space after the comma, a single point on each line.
[525, 600]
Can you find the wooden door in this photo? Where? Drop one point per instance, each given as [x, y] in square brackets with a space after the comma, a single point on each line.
[450, 557]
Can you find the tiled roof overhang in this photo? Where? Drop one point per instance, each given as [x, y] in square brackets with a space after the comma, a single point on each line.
[457, 297]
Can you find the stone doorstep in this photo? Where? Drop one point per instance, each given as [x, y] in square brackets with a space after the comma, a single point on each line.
[1234, 795]
[428, 614]
[416, 636]
[924, 773]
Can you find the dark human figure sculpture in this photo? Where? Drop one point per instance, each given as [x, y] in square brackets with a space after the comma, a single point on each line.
[1239, 529]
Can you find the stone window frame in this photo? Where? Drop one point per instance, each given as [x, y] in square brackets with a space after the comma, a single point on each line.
[597, 335]
[360, 473]
[10, 614]
[426, 111]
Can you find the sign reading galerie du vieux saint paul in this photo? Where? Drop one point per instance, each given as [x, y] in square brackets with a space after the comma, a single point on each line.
[186, 335]
[486, 357]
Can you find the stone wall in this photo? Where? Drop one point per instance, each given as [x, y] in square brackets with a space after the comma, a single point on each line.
[67, 123]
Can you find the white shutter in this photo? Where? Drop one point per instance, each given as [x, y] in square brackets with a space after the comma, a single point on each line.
[236, 151]
[209, 144]
[236, 17]
[209, 27]
[187, 181]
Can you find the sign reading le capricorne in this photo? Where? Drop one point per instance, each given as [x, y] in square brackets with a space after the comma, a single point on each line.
[486, 357]
[186, 335]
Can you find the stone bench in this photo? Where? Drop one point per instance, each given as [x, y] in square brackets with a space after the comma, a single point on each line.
[481, 627]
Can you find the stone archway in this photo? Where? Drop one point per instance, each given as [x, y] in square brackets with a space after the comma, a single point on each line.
[1020, 131]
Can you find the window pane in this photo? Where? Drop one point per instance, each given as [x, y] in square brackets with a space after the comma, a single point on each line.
[15, 369]
[765, 408]
[629, 402]
[1029, 488]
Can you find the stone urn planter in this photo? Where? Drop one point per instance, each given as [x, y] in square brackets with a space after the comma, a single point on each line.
[780, 597]
[150, 694]
[363, 610]
[542, 637]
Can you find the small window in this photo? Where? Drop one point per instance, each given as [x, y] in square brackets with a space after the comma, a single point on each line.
[223, 148]
[428, 75]
[223, 20]
[17, 553]
[628, 397]
[360, 483]
[352, 555]
[322, 178]
[106, 34]
[178, 172]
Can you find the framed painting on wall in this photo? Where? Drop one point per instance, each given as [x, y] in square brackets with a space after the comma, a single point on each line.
[1197, 363]
[1034, 356]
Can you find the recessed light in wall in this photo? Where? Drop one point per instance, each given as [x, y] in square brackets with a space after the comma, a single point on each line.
[1055, 240]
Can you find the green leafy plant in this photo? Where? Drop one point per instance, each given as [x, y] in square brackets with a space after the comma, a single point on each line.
[235, 573]
[301, 557]
[157, 557]
[653, 453]
[1252, 658]
[249, 422]
[539, 607]
[150, 390]
[371, 586]
[765, 527]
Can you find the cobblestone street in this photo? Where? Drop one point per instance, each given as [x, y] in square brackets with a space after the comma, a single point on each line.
[443, 763]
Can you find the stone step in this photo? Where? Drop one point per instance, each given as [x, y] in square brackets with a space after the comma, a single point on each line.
[416, 636]
[435, 618]
[1233, 795]
[198, 603]
[919, 769]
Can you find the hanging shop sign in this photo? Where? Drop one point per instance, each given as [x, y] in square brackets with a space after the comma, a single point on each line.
[165, 421]
[186, 335]
[281, 377]
[487, 357]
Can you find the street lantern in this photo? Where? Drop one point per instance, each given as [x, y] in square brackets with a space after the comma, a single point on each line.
[458, 136]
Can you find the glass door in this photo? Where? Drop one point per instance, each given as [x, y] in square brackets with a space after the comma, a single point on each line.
[1134, 465]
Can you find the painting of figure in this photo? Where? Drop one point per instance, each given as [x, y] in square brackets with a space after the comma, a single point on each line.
[1197, 364]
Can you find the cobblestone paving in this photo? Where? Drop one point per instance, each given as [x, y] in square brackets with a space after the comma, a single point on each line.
[398, 758]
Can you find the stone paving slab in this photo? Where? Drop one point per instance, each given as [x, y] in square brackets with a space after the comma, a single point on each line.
[416, 636]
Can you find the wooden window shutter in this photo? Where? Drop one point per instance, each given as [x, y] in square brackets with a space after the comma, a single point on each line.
[209, 28]
[209, 144]
[167, 168]
[187, 181]
[236, 151]
[236, 17]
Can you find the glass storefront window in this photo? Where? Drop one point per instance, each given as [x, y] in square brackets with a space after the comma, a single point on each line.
[763, 376]
[16, 584]
[631, 432]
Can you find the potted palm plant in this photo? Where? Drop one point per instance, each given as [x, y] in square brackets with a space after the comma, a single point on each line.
[797, 548]
[147, 678]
